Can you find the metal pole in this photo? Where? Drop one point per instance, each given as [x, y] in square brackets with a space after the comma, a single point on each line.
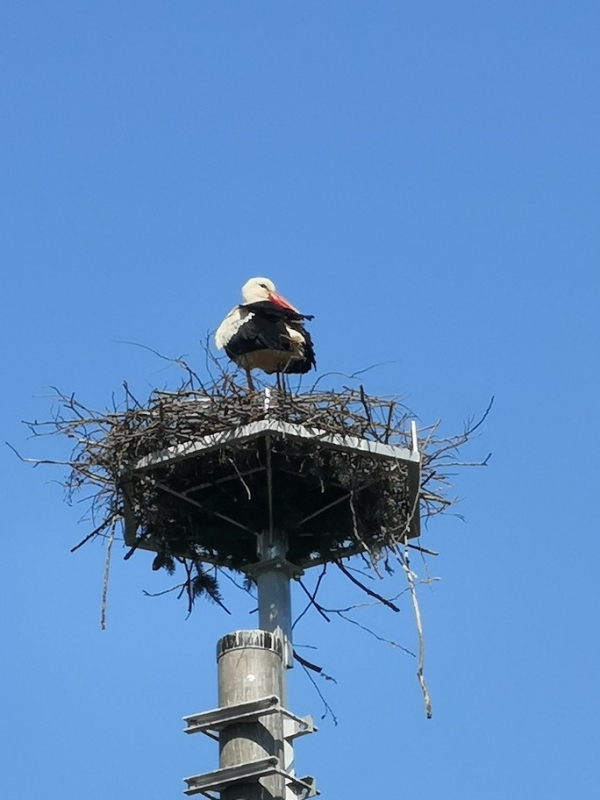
[274, 600]
[250, 667]
[273, 575]
[273, 578]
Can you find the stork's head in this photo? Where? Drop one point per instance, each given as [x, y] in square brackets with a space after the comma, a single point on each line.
[260, 290]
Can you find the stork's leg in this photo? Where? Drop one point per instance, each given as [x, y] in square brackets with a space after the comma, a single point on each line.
[249, 377]
[284, 383]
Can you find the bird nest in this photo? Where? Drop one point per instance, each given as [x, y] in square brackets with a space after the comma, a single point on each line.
[202, 474]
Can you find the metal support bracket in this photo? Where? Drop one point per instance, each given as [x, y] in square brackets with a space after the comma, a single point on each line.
[292, 571]
[220, 779]
[216, 719]
[304, 787]
[251, 772]
[213, 721]
[294, 726]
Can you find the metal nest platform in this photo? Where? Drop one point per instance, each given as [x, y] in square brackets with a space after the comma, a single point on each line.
[213, 498]
[215, 474]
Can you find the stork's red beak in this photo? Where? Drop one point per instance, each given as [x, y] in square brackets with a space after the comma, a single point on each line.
[280, 301]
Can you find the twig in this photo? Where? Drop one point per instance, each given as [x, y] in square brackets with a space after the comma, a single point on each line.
[388, 425]
[415, 603]
[180, 586]
[358, 537]
[109, 545]
[312, 600]
[366, 589]
[373, 634]
[95, 532]
[239, 474]
[328, 709]
[422, 549]
[129, 394]
[307, 664]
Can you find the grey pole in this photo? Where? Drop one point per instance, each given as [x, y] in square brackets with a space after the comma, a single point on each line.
[250, 667]
[273, 575]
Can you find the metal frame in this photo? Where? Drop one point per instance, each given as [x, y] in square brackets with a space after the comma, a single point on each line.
[277, 428]
[270, 428]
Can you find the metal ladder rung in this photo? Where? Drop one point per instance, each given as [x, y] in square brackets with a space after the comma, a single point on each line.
[218, 718]
[250, 772]
[213, 721]
[227, 776]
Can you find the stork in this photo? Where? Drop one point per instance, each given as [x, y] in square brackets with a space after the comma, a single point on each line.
[266, 332]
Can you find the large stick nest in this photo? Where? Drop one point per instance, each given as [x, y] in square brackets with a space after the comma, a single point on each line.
[211, 509]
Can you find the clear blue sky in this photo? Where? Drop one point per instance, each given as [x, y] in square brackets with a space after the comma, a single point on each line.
[424, 178]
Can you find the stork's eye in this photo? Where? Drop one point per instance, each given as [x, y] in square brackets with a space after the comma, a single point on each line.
[263, 285]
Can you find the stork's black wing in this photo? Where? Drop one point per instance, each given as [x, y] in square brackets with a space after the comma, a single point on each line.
[265, 329]
[269, 310]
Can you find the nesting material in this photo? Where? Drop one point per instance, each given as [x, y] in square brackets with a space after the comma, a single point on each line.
[198, 474]
[331, 494]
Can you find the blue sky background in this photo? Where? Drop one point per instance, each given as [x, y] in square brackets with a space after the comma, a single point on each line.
[424, 178]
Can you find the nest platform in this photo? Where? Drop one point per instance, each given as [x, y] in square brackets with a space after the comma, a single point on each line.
[212, 474]
[212, 497]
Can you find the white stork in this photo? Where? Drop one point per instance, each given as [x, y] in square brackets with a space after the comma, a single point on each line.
[266, 332]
